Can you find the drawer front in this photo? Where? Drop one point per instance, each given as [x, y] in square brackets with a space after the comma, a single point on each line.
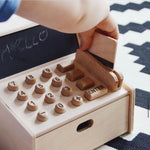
[89, 131]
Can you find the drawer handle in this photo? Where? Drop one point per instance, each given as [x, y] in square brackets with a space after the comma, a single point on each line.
[85, 125]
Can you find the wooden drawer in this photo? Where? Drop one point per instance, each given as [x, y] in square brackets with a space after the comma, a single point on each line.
[98, 127]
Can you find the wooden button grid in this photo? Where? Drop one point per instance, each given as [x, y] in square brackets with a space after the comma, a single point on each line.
[49, 99]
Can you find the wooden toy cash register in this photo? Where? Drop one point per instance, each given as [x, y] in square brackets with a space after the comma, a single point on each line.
[73, 102]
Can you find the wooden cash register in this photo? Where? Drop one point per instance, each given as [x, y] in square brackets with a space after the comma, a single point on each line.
[73, 102]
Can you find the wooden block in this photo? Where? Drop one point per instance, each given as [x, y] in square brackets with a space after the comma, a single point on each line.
[65, 66]
[105, 48]
[85, 83]
[95, 92]
[74, 75]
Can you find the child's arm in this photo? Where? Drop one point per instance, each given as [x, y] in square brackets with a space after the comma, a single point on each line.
[71, 16]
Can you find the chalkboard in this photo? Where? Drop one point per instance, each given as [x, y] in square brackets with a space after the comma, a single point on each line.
[31, 47]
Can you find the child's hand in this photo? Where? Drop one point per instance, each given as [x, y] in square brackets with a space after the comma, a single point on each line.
[107, 27]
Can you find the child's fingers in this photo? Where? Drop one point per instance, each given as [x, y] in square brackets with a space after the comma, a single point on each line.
[86, 39]
[109, 27]
[114, 34]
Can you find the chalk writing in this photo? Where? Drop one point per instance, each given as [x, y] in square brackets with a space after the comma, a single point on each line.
[21, 44]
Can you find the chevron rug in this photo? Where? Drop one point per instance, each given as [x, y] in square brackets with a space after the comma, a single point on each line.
[133, 60]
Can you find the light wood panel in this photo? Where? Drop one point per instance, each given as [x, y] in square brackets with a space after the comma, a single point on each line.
[108, 122]
[104, 47]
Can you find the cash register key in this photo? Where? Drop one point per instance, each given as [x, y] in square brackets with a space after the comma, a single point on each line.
[12, 86]
[47, 73]
[65, 66]
[77, 100]
[42, 116]
[95, 92]
[49, 98]
[22, 96]
[32, 105]
[85, 83]
[66, 91]
[74, 75]
[60, 108]
[56, 82]
[39, 89]
[30, 79]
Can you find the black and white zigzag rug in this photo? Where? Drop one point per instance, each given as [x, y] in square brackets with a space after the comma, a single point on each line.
[133, 60]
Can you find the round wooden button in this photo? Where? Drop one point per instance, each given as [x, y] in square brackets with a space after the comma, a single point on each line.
[47, 73]
[40, 89]
[30, 79]
[60, 108]
[42, 116]
[77, 100]
[66, 91]
[49, 98]
[22, 96]
[12, 86]
[56, 82]
[32, 105]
